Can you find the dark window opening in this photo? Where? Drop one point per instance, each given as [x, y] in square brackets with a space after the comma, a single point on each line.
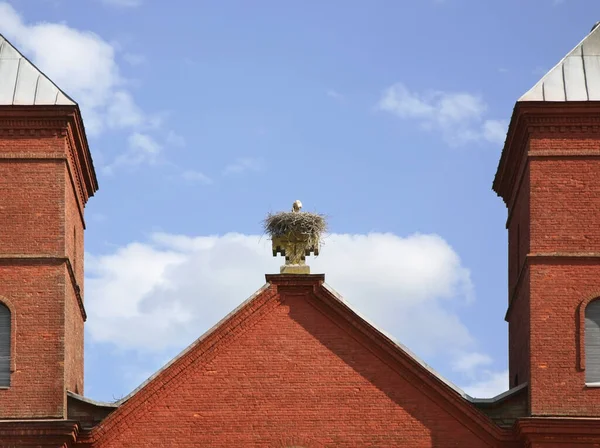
[4, 346]
[592, 342]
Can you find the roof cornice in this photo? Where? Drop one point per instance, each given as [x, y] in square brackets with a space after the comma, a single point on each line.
[48, 121]
[576, 119]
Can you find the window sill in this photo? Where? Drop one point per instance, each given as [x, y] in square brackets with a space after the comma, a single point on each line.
[592, 385]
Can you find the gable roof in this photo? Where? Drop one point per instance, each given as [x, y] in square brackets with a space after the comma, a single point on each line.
[23, 84]
[575, 78]
[447, 395]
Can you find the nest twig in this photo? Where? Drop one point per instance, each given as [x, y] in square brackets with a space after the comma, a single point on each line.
[308, 225]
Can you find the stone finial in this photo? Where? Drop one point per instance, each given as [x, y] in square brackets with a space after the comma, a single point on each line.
[295, 235]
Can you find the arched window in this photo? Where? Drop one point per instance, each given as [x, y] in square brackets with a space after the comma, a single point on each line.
[592, 342]
[4, 346]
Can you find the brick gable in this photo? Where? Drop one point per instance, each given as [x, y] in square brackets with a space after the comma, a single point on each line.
[294, 365]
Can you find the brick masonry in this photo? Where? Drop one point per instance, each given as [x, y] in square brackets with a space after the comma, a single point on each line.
[549, 179]
[41, 258]
[294, 366]
[288, 370]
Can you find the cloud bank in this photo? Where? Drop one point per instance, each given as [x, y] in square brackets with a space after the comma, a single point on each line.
[152, 296]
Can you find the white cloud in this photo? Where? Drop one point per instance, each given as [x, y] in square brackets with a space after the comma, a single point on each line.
[144, 143]
[459, 116]
[142, 149]
[160, 295]
[243, 164]
[123, 3]
[492, 384]
[469, 363]
[85, 68]
[123, 112]
[196, 177]
[495, 130]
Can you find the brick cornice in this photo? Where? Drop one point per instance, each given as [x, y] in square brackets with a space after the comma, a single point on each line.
[39, 433]
[55, 121]
[575, 119]
[559, 430]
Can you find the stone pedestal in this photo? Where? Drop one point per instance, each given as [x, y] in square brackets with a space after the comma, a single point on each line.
[295, 247]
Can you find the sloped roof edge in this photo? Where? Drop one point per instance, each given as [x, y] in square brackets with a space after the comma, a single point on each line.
[576, 77]
[195, 343]
[423, 364]
[24, 84]
[104, 404]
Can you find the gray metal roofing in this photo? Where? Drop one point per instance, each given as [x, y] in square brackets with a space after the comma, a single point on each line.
[575, 78]
[23, 84]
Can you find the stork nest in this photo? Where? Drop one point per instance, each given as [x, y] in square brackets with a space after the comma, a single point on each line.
[309, 226]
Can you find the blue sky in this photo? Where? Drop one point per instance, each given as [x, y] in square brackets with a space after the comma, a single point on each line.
[387, 116]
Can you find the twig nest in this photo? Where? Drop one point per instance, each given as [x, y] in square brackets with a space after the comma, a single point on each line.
[296, 225]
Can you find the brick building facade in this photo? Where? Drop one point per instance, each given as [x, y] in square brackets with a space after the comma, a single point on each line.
[294, 365]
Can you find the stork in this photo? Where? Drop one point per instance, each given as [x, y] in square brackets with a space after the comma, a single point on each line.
[296, 206]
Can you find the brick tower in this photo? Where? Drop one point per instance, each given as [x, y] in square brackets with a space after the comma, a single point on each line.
[549, 178]
[46, 177]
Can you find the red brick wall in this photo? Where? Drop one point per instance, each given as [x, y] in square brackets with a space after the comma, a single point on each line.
[36, 293]
[37, 217]
[564, 213]
[294, 378]
[557, 384]
[518, 287]
[518, 234]
[518, 334]
[31, 202]
[565, 206]
[74, 229]
[73, 341]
